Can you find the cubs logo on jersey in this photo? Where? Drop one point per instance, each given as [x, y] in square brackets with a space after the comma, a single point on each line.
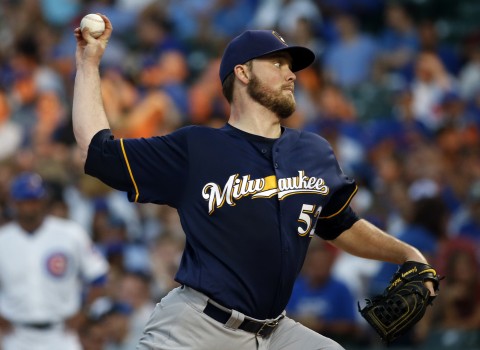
[57, 264]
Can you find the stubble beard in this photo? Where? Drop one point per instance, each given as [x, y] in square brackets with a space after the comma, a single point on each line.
[276, 102]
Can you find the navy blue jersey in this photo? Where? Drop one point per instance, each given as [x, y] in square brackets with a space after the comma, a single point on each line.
[248, 205]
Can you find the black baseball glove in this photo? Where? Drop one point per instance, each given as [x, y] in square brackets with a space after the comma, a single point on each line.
[404, 301]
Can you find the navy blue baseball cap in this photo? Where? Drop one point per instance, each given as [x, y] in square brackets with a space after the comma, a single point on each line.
[256, 43]
[27, 186]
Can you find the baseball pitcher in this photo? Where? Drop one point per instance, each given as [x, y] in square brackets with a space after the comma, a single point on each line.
[250, 196]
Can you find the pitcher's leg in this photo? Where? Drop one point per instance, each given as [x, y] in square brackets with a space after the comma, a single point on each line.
[291, 335]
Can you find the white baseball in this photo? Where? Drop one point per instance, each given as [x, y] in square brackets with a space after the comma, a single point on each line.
[94, 23]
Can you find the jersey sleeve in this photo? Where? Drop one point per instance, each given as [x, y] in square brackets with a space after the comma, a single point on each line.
[148, 169]
[343, 193]
[330, 228]
[336, 215]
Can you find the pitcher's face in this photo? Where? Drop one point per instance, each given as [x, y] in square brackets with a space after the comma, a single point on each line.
[272, 84]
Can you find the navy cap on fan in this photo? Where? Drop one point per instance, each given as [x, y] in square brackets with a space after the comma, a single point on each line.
[256, 43]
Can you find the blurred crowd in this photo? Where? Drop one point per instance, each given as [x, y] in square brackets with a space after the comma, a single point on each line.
[395, 89]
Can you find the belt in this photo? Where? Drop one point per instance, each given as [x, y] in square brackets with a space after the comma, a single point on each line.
[260, 328]
[39, 325]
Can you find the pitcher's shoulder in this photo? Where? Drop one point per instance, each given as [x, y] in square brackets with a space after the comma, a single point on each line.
[313, 140]
[199, 130]
[309, 135]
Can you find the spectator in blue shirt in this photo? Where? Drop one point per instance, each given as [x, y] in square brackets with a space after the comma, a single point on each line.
[425, 227]
[319, 300]
[349, 61]
[467, 223]
[399, 40]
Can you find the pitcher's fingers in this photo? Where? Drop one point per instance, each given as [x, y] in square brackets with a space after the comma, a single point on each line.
[108, 28]
[77, 32]
[429, 285]
[87, 36]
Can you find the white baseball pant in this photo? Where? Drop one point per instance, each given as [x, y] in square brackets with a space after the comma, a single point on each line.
[25, 338]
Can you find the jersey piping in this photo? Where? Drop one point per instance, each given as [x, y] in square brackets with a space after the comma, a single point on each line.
[342, 208]
[137, 193]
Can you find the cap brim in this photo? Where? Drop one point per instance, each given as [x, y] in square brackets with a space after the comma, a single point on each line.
[302, 57]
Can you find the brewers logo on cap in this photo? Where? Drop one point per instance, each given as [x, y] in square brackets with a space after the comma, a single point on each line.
[279, 37]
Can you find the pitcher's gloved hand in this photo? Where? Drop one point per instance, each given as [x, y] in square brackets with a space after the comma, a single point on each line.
[404, 301]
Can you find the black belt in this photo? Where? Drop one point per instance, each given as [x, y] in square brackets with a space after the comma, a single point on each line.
[39, 325]
[263, 329]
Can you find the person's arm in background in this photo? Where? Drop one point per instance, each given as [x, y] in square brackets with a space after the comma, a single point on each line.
[95, 290]
[5, 327]
[366, 240]
[88, 112]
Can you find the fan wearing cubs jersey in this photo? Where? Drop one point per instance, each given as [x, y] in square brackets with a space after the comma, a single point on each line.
[250, 196]
[44, 264]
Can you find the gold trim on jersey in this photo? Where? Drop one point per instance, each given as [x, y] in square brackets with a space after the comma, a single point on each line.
[270, 183]
[129, 170]
[341, 209]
